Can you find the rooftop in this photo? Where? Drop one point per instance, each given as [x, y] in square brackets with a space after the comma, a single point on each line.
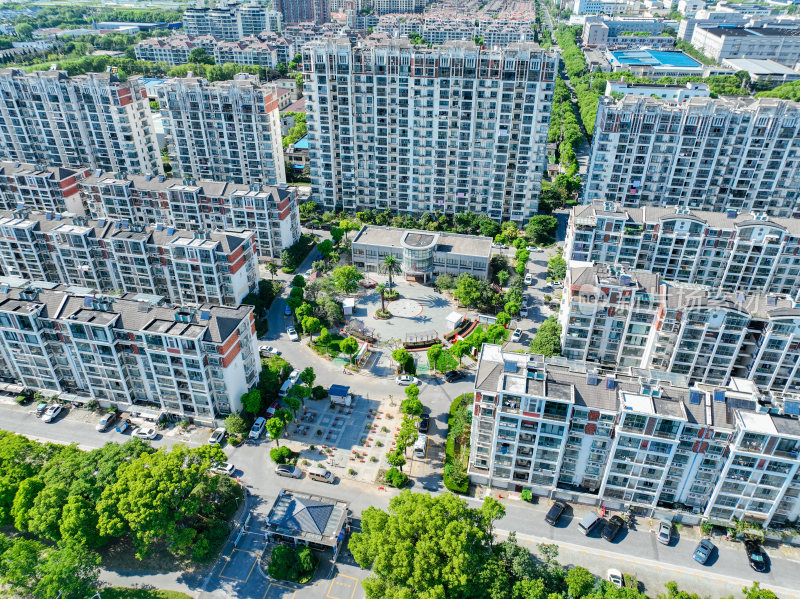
[456, 243]
[655, 58]
[312, 518]
[756, 32]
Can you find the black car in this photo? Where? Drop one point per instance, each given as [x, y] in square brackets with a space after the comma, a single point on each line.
[756, 556]
[554, 513]
[454, 375]
[612, 528]
[424, 423]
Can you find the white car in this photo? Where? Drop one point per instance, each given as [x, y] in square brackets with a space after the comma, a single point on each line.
[528, 278]
[405, 379]
[534, 249]
[269, 350]
[52, 412]
[145, 433]
[292, 334]
[524, 312]
[224, 468]
[614, 576]
[516, 335]
[258, 428]
[558, 284]
[288, 470]
[217, 436]
[294, 376]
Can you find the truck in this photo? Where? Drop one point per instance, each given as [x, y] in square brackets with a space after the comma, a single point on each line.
[340, 396]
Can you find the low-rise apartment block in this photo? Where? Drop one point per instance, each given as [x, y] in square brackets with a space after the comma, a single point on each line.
[632, 437]
[174, 50]
[271, 213]
[225, 131]
[185, 267]
[93, 120]
[706, 153]
[423, 255]
[193, 362]
[49, 188]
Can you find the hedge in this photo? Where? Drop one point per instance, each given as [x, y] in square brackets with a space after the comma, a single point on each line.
[450, 446]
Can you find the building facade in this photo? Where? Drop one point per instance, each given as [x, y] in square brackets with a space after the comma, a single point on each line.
[271, 213]
[422, 254]
[226, 131]
[174, 50]
[762, 43]
[94, 120]
[634, 437]
[231, 21]
[708, 154]
[49, 188]
[304, 11]
[108, 256]
[191, 362]
[410, 129]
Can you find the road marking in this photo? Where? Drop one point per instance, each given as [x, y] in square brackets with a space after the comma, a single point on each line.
[255, 559]
[275, 584]
[352, 593]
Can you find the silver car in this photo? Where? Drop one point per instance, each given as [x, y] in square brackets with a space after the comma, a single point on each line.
[288, 470]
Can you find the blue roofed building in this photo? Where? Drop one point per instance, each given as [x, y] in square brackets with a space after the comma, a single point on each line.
[659, 63]
[304, 518]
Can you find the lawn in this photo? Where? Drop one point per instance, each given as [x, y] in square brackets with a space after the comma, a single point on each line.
[446, 361]
[123, 593]
[334, 347]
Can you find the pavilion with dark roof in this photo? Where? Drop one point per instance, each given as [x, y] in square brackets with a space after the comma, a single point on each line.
[305, 518]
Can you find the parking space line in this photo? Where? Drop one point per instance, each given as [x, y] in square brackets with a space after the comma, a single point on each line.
[275, 584]
[352, 593]
[255, 559]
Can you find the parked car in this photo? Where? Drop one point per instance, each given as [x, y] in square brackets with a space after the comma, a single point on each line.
[664, 532]
[268, 349]
[454, 375]
[703, 551]
[217, 436]
[123, 425]
[755, 556]
[107, 420]
[292, 334]
[52, 412]
[554, 513]
[288, 470]
[287, 311]
[614, 576]
[424, 423]
[516, 335]
[41, 408]
[528, 278]
[294, 376]
[524, 312]
[612, 528]
[145, 433]
[224, 468]
[258, 428]
[405, 379]
[558, 284]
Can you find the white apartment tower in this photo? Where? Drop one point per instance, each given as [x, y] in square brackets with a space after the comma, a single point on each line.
[409, 129]
[707, 154]
[94, 120]
[227, 131]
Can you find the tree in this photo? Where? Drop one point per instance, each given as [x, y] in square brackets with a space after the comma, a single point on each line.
[512, 308]
[19, 565]
[756, 592]
[411, 406]
[273, 269]
[299, 281]
[390, 266]
[346, 279]
[200, 56]
[580, 582]
[468, 290]
[69, 572]
[292, 400]
[401, 356]
[556, 268]
[337, 234]
[251, 401]
[308, 376]
[23, 502]
[349, 346]
[412, 391]
[502, 277]
[45, 514]
[541, 228]
[79, 522]
[324, 338]
[396, 458]
[382, 292]
[347, 225]
[434, 353]
[547, 340]
[234, 423]
[408, 433]
[275, 428]
[459, 348]
[503, 319]
[325, 248]
[311, 325]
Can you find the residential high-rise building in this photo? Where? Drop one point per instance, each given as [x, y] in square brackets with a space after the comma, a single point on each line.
[194, 362]
[733, 252]
[226, 131]
[304, 11]
[632, 437]
[231, 21]
[49, 188]
[410, 129]
[269, 212]
[186, 267]
[93, 120]
[707, 154]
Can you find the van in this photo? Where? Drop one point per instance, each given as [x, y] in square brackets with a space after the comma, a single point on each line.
[321, 475]
[287, 384]
[588, 522]
[421, 446]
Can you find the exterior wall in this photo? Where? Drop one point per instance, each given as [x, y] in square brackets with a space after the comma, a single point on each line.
[446, 159]
[53, 189]
[784, 49]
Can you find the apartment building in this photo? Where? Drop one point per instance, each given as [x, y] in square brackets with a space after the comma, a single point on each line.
[93, 120]
[191, 362]
[185, 267]
[630, 437]
[231, 21]
[762, 43]
[673, 92]
[304, 11]
[707, 154]
[413, 129]
[733, 252]
[383, 7]
[49, 188]
[247, 51]
[174, 50]
[271, 213]
[226, 131]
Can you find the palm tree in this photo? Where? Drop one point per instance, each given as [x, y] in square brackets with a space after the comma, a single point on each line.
[391, 266]
[382, 289]
[273, 269]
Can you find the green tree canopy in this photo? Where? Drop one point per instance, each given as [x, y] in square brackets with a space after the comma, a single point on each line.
[346, 278]
[547, 340]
